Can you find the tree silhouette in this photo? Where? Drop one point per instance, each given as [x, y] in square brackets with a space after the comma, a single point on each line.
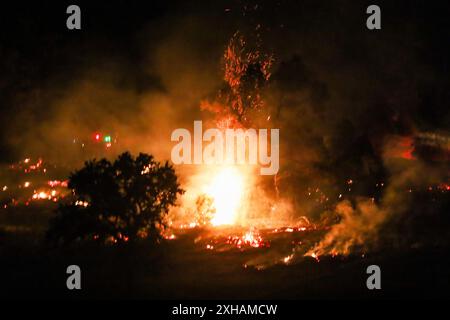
[121, 201]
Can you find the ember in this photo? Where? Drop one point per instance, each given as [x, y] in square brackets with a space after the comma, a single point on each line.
[251, 238]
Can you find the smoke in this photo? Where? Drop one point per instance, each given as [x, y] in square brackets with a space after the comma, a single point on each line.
[358, 227]
[338, 94]
[368, 225]
[138, 96]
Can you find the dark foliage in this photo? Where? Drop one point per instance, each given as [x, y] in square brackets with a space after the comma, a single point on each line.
[120, 201]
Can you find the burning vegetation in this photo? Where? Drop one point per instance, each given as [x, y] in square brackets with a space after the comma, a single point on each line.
[234, 206]
[360, 172]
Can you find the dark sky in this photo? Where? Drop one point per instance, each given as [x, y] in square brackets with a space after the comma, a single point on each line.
[322, 48]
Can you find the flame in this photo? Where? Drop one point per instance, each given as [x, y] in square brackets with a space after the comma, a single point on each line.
[226, 189]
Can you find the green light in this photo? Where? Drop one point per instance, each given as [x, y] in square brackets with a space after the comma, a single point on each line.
[107, 139]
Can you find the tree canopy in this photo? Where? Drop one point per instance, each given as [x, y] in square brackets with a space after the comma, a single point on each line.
[119, 201]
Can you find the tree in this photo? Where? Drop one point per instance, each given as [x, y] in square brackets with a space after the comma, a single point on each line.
[120, 201]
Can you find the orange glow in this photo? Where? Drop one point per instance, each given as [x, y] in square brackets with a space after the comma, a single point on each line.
[226, 188]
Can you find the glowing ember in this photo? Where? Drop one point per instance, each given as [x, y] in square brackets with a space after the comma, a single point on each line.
[315, 256]
[57, 183]
[81, 203]
[288, 259]
[251, 238]
[42, 195]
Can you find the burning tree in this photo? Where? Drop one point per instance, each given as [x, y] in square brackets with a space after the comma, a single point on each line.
[120, 201]
[246, 72]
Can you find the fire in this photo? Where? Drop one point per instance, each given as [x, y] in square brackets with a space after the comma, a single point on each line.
[251, 238]
[226, 189]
